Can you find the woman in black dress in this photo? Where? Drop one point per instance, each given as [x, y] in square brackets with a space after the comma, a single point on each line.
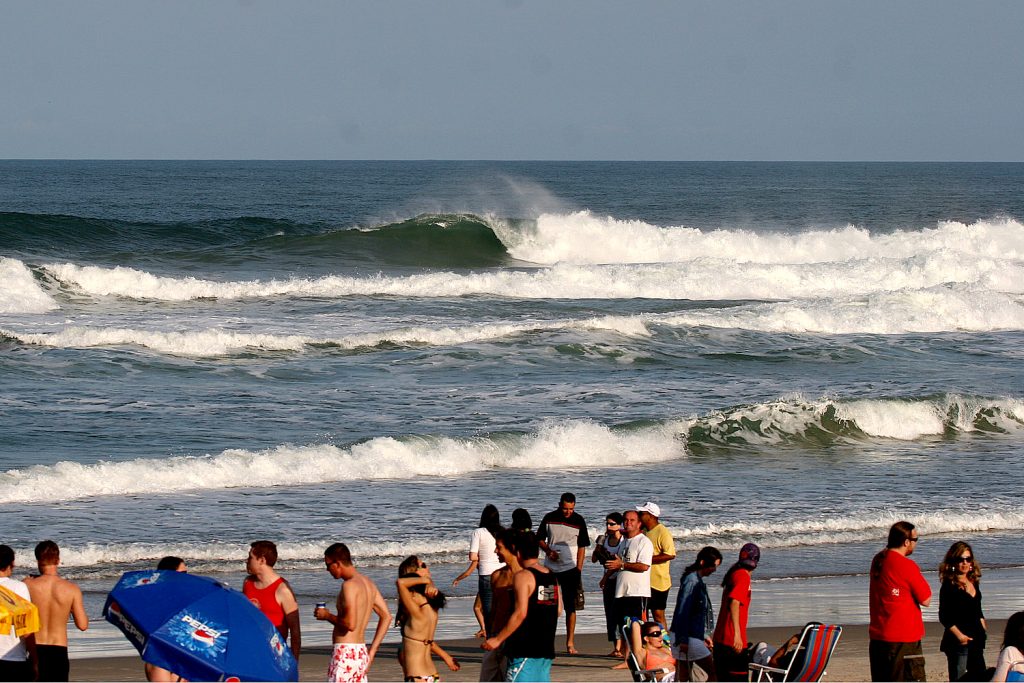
[963, 641]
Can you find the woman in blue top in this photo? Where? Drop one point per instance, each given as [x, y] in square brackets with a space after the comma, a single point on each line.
[693, 620]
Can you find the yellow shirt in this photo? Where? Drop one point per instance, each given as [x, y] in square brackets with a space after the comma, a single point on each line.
[661, 538]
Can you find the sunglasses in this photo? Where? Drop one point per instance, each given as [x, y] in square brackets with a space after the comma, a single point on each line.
[967, 558]
[610, 523]
[653, 634]
[913, 539]
[423, 565]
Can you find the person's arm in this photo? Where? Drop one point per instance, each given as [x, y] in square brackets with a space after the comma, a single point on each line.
[405, 594]
[581, 555]
[920, 590]
[524, 584]
[582, 543]
[636, 642]
[667, 546]
[383, 623]
[33, 656]
[290, 606]
[734, 616]
[78, 610]
[449, 661]
[474, 560]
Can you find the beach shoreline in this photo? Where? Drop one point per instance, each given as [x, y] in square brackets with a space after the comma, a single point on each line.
[848, 663]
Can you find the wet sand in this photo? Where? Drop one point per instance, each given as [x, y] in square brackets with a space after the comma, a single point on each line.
[849, 663]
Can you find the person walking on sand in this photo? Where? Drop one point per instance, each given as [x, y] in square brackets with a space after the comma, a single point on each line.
[57, 599]
[358, 597]
[693, 620]
[730, 637]
[897, 593]
[664, 553]
[633, 564]
[17, 655]
[529, 634]
[271, 594]
[483, 560]
[564, 539]
[494, 663]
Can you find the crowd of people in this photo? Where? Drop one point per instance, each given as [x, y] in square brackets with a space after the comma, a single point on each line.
[527, 578]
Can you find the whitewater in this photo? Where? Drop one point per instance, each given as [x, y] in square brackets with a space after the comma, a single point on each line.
[302, 354]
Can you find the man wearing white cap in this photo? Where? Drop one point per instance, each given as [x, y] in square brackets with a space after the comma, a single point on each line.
[664, 553]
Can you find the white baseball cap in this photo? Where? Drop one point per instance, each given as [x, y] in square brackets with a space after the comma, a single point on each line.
[649, 507]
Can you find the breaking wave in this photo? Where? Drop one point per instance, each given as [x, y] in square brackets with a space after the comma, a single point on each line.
[19, 291]
[556, 445]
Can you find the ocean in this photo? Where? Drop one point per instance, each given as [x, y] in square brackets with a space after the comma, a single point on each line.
[196, 355]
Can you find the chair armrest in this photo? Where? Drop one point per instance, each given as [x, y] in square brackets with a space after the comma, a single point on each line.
[764, 667]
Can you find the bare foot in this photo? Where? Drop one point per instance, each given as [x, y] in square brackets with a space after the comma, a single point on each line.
[615, 654]
[571, 649]
[481, 634]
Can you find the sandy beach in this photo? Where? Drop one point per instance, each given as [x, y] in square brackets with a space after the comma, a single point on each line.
[849, 663]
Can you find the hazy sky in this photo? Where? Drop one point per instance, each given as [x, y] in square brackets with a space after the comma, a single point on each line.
[527, 79]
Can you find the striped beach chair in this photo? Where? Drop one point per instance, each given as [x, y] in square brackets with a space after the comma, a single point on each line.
[813, 650]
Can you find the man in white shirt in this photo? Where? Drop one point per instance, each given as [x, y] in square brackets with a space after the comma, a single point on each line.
[15, 652]
[633, 561]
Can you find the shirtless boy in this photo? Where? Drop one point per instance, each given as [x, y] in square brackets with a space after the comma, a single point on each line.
[494, 663]
[56, 599]
[357, 598]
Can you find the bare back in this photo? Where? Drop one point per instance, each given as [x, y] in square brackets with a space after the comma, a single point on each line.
[504, 600]
[57, 599]
[356, 601]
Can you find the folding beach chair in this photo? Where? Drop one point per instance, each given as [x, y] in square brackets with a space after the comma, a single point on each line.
[813, 650]
[631, 660]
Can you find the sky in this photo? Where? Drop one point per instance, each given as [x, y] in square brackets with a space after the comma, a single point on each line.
[930, 80]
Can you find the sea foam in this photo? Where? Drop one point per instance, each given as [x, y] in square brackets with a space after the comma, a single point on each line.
[19, 291]
[582, 237]
[702, 278]
[555, 445]
[569, 444]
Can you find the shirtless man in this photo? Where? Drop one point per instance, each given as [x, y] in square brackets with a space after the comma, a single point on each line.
[494, 663]
[56, 599]
[529, 634]
[271, 594]
[357, 598]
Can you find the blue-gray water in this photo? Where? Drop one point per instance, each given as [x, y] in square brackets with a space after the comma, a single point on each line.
[194, 355]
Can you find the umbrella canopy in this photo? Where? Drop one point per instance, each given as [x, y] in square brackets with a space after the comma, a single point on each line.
[18, 612]
[198, 628]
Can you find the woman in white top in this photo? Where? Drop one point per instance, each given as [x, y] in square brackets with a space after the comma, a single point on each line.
[1010, 666]
[483, 559]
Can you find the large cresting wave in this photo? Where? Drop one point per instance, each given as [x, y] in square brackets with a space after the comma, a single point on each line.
[555, 445]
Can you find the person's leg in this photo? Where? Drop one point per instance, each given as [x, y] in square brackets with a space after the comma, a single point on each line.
[570, 632]
[910, 662]
[956, 663]
[486, 595]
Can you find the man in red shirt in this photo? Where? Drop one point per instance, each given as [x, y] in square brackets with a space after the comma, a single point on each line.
[898, 592]
[272, 594]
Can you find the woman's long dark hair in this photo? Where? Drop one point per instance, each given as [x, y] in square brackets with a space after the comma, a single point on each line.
[706, 557]
[491, 520]
[1014, 633]
[408, 568]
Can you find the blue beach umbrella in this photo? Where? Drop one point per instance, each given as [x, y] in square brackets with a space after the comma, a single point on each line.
[198, 628]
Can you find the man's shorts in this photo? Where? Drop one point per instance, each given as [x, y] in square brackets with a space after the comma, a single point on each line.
[658, 601]
[528, 669]
[632, 607]
[569, 583]
[349, 663]
[53, 662]
[896, 661]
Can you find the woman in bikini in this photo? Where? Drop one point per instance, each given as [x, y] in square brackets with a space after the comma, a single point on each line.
[418, 603]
